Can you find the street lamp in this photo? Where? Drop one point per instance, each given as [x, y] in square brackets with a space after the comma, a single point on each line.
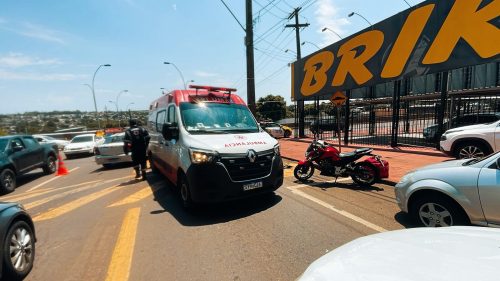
[118, 97]
[303, 43]
[178, 70]
[128, 109]
[354, 13]
[93, 94]
[332, 31]
[190, 81]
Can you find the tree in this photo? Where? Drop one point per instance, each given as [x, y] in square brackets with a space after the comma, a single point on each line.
[271, 107]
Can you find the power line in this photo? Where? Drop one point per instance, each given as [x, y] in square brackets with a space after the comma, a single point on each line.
[233, 15]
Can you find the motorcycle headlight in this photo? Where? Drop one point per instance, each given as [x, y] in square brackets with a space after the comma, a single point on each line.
[277, 149]
[199, 156]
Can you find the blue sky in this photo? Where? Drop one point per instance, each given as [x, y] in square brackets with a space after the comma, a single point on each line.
[50, 48]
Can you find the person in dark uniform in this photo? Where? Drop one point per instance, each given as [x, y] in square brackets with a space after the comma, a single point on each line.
[136, 140]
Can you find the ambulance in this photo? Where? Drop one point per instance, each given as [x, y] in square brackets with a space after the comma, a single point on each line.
[208, 144]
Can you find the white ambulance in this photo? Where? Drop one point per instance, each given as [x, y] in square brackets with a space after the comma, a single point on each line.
[206, 141]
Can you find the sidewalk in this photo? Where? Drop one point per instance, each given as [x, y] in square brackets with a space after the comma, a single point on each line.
[401, 161]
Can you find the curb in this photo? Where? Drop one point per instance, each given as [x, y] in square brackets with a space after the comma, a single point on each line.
[428, 153]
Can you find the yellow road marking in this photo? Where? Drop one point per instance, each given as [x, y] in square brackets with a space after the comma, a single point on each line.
[135, 197]
[57, 196]
[25, 196]
[49, 180]
[121, 260]
[68, 207]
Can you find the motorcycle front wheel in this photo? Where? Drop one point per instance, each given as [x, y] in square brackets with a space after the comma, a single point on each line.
[303, 172]
[364, 174]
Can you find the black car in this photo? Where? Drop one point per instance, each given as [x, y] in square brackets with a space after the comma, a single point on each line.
[17, 241]
[319, 126]
[431, 133]
[21, 154]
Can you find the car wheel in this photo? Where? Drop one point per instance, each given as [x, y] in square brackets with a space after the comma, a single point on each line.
[185, 193]
[364, 174]
[69, 157]
[437, 211]
[7, 180]
[19, 251]
[471, 150]
[50, 166]
[287, 134]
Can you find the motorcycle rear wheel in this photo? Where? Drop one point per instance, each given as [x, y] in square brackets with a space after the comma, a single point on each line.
[364, 174]
[303, 172]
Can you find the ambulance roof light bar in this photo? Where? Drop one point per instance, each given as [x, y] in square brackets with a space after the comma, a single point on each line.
[212, 89]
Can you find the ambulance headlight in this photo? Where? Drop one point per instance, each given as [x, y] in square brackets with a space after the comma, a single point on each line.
[199, 156]
[277, 149]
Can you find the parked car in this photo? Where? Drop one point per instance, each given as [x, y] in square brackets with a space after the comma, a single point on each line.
[46, 139]
[319, 126]
[17, 241]
[81, 144]
[453, 193]
[431, 133]
[273, 129]
[111, 151]
[460, 253]
[471, 141]
[287, 131]
[22, 154]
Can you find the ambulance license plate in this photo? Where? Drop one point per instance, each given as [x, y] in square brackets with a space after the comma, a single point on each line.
[253, 185]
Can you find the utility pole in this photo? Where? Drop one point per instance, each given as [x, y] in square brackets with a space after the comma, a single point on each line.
[250, 58]
[297, 26]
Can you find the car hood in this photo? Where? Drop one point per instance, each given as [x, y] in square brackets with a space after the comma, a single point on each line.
[471, 127]
[6, 205]
[233, 143]
[79, 145]
[449, 253]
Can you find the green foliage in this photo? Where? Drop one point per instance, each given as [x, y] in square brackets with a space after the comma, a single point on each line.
[271, 107]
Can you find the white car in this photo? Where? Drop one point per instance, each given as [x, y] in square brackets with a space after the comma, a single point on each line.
[46, 139]
[111, 151]
[474, 141]
[273, 129]
[81, 144]
[459, 253]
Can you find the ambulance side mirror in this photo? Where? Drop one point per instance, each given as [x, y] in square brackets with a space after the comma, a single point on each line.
[170, 131]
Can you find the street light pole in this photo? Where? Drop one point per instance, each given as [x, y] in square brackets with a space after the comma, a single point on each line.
[303, 43]
[178, 70]
[117, 108]
[128, 109]
[354, 13]
[93, 94]
[332, 31]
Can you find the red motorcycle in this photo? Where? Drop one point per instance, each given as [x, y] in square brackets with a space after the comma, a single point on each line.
[327, 159]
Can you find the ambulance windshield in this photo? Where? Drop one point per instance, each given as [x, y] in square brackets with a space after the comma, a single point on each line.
[217, 118]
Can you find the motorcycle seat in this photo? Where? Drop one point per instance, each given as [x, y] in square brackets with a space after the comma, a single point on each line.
[347, 154]
[362, 150]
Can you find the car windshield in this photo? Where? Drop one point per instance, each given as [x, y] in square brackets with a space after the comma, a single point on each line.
[114, 138]
[3, 144]
[217, 118]
[477, 160]
[82, 139]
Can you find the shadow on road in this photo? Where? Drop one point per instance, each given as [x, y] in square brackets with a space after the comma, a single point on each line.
[405, 220]
[27, 178]
[112, 167]
[165, 194]
[328, 185]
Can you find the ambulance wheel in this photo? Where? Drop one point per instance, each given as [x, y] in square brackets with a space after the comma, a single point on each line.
[185, 193]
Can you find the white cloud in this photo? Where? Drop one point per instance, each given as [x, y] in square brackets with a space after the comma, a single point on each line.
[205, 74]
[40, 32]
[20, 60]
[327, 15]
[31, 76]
[174, 7]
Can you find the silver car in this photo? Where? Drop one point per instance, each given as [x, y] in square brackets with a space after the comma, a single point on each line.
[453, 193]
[111, 151]
[273, 129]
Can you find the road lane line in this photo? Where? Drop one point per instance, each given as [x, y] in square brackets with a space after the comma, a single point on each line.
[37, 203]
[24, 196]
[75, 204]
[121, 260]
[294, 190]
[47, 181]
[135, 197]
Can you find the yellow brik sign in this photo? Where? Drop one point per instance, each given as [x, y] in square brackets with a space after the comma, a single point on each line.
[338, 99]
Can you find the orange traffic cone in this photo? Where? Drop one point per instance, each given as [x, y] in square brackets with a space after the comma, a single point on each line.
[61, 170]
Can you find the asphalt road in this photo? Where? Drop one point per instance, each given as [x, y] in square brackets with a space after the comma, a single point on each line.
[102, 224]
